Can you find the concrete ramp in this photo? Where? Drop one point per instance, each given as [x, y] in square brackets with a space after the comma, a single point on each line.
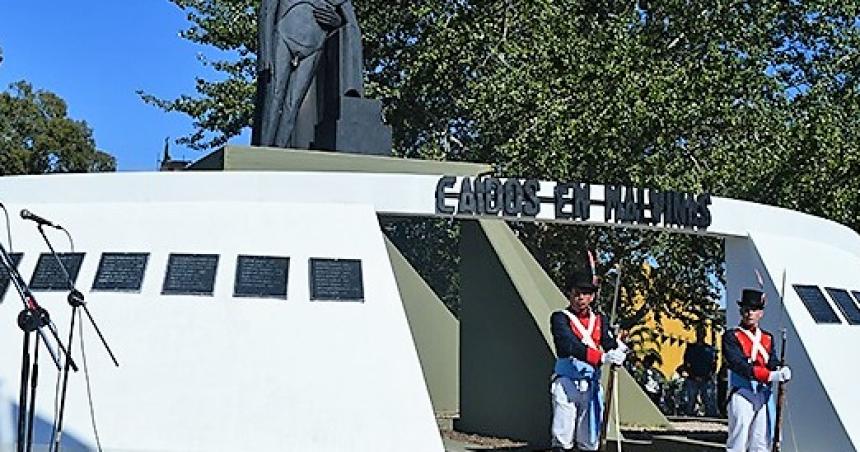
[436, 333]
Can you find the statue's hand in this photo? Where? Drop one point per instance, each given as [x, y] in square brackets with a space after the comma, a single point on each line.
[326, 15]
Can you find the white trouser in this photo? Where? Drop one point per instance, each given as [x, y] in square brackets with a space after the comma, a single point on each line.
[747, 428]
[570, 419]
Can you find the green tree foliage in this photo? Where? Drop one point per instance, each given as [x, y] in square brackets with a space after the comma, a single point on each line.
[751, 100]
[431, 245]
[37, 136]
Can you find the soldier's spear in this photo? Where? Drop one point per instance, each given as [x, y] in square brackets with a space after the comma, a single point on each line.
[780, 391]
[610, 383]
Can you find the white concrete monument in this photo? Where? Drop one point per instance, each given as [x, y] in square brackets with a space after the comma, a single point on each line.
[216, 371]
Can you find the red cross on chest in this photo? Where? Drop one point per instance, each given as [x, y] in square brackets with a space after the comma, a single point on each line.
[747, 346]
[595, 333]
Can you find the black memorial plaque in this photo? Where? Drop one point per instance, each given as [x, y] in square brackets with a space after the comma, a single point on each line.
[336, 279]
[121, 272]
[190, 274]
[816, 304]
[4, 274]
[49, 276]
[261, 276]
[845, 304]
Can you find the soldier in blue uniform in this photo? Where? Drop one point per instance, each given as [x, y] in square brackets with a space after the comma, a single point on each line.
[583, 341]
[753, 367]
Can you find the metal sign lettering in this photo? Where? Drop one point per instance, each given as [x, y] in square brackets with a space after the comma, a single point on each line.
[515, 198]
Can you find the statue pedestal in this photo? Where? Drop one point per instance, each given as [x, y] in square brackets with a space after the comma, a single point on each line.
[356, 126]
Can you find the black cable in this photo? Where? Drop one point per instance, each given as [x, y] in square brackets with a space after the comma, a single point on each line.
[71, 242]
[60, 374]
[87, 378]
[86, 373]
[8, 227]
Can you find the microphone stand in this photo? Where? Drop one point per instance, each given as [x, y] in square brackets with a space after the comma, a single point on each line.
[33, 318]
[33, 383]
[28, 323]
[76, 300]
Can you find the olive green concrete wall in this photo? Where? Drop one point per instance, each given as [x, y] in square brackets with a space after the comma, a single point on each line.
[505, 361]
[254, 158]
[435, 332]
[210, 162]
[635, 408]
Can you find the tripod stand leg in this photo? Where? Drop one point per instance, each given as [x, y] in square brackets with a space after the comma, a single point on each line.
[22, 397]
[34, 380]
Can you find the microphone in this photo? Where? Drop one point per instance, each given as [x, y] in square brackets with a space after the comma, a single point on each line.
[27, 215]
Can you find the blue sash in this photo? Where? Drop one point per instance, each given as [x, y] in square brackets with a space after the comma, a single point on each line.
[759, 395]
[570, 372]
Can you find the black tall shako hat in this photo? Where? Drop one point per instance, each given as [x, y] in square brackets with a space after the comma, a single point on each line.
[752, 298]
[583, 280]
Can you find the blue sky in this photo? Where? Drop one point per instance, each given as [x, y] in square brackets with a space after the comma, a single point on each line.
[95, 54]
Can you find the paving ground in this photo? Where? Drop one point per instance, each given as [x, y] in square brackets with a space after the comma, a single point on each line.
[686, 435]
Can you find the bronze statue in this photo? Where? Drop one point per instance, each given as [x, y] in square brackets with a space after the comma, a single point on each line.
[292, 38]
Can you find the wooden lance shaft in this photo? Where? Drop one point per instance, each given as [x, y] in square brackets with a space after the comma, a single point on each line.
[780, 402]
[610, 388]
[780, 391]
[610, 382]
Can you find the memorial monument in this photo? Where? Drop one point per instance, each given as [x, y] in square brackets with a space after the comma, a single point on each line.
[310, 90]
[231, 330]
[262, 308]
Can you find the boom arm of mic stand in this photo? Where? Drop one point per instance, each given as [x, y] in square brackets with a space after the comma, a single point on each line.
[76, 298]
[99, 333]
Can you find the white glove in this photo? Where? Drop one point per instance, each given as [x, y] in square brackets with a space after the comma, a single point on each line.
[780, 375]
[614, 356]
[622, 346]
[606, 358]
